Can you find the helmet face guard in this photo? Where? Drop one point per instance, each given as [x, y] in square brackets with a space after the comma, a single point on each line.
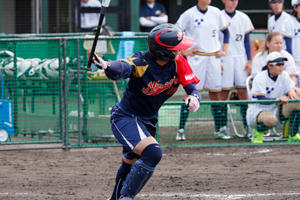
[164, 39]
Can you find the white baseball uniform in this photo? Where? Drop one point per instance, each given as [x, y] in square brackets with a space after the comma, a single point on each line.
[90, 20]
[204, 28]
[264, 85]
[296, 42]
[260, 60]
[281, 25]
[234, 62]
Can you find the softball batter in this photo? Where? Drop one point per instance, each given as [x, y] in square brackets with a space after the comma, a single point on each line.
[154, 76]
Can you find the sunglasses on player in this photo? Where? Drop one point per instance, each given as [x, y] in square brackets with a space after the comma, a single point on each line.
[277, 64]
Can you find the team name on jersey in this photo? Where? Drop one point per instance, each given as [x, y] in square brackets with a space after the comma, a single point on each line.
[189, 77]
[155, 87]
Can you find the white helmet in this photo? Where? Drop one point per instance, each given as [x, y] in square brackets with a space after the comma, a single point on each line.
[295, 2]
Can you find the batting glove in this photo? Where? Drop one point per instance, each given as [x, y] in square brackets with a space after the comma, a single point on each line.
[99, 62]
[192, 102]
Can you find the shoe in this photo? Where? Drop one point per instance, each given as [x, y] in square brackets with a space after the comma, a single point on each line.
[125, 198]
[180, 135]
[223, 133]
[295, 138]
[258, 137]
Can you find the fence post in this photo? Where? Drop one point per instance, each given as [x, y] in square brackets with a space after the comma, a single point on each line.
[15, 90]
[78, 92]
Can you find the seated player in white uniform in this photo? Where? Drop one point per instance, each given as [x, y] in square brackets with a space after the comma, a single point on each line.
[273, 83]
[273, 42]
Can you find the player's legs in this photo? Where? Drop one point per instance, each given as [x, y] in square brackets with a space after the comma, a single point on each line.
[227, 85]
[142, 170]
[121, 175]
[137, 137]
[265, 120]
[240, 76]
[184, 113]
[219, 113]
[213, 85]
[292, 112]
[242, 95]
[199, 66]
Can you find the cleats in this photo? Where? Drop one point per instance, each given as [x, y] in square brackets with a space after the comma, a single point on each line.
[295, 138]
[180, 135]
[223, 133]
[258, 137]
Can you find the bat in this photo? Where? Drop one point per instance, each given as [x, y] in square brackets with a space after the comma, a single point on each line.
[104, 6]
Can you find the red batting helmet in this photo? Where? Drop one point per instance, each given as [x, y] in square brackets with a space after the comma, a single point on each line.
[164, 39]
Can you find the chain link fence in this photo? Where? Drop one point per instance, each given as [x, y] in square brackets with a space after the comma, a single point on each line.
[56, 101]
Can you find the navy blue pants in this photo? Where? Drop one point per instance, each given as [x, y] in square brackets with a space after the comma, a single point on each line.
[130, 129]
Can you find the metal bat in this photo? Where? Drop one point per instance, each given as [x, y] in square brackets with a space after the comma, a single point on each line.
[104, 6]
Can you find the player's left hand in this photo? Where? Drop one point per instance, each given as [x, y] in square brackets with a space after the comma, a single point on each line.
[283, 99]
[192, 102]
[99, 62]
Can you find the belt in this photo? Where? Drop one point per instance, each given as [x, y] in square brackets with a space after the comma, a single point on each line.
[206, 54]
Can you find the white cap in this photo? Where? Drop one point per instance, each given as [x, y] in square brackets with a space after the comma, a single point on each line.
[295, 2]
[275, 57]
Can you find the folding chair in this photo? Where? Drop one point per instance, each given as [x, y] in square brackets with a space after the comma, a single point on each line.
[245, 133]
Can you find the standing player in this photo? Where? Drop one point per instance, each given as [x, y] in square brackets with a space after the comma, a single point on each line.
[237, 62]
[280, 22]
[272, 84]
[203, 23]
[154, 76]
[89, 21]
[296, 34]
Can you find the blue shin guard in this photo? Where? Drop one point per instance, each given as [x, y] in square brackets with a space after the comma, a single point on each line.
[136, 179]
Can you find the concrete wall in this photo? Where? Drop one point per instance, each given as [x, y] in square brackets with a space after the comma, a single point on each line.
[7, 16]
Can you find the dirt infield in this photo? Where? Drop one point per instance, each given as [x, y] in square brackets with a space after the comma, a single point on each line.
[250, 173]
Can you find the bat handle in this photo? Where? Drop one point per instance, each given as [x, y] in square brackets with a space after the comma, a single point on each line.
[98, 66]
[188, 104]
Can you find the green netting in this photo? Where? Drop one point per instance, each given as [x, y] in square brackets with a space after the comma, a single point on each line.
[200, 127]
[56, 100]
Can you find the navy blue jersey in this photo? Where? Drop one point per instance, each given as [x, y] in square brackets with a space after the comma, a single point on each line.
[146, 11]
[150, 84]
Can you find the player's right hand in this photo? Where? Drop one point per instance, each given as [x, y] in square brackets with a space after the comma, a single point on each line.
[220, 54]
[192, 102]
[99, 62]
[283, 99]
